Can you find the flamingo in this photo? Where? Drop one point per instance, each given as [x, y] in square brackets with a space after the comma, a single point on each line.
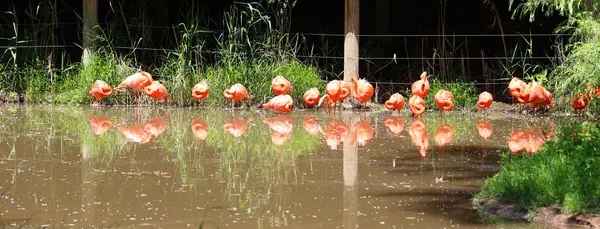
[444, 100]
[280, 103]
[236, 127]
[363, 91]
[311, 97]
[281, 85]
[396, 125]
[421, 87]
[485, 100]
[484, 129]
[580, 102]
[100, 90]
[311, 126]
[363, 132]
[200, 129]
[396, 102]
[536, 95]
[137, 82]
[444, 135]
[516, 87]
[100, 124]
[157, 91]
[281, 129]
[419, 137]
[335, 91]
[200, 91]
[416, 105]
[237, 92]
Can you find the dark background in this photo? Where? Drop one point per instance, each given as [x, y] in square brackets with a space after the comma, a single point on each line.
[327, 17]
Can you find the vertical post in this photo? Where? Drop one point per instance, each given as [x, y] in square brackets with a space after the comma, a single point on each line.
[350, 163]
[351, 27]
[90, 20]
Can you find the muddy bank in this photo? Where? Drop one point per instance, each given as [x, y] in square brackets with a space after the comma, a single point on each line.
[545, 215]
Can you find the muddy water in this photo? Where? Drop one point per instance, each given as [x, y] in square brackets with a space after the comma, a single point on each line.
[78, 167]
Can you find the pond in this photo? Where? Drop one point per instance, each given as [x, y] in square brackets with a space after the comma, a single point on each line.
[65, 166]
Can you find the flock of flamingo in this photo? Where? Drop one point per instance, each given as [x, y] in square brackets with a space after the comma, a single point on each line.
[336, 91]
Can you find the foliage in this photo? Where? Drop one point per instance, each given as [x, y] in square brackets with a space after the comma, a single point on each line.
[465, 93]
[563, 7]
[580, 68]
[539, 180]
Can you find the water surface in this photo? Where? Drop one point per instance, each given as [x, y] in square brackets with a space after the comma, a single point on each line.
[63, 166]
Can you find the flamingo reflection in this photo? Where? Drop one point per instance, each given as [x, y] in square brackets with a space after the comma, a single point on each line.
[484, 129]
[135, 133]
[143, 133]
[100, 124]
[156, 126]
[396, 125]
[311, 126]
[281, 129]
[363, 132]
[444, 135]
[336, 131]
[531, 140]
[236, 127]
[419, 137]
[200, 129]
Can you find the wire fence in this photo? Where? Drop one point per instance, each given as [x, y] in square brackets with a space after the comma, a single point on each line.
[3, 48]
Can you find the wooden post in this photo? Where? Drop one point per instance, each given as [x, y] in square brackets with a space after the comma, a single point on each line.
[351, 27]
[90, 20]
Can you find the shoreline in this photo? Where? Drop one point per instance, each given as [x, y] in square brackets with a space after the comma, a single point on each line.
[553, 216]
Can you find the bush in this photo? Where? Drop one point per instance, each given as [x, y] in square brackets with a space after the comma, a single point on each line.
[465, 94]
[257, 76]
[564, 172]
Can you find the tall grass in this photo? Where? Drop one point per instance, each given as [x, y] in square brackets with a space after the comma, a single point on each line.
[254, 48]
[564, 172]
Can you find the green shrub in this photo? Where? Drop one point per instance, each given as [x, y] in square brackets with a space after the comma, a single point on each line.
[564, 172]
[465, 94]
[257, 77]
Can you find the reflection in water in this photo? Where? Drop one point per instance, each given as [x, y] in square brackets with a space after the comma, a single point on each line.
[61, 174]
[363, 132]
[236, 127]
[350, 172]
[395, 125]
[281, 129]
[531, 140]
[419, 137]
[135, 133]
[142, 134]
[100, 124]
[444, 135]
[200, 129]
[156, 126]
[484, 129]
[336, 130]
[311, 125]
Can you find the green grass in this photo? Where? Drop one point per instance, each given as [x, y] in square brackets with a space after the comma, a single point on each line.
[465, 93]
[563, 173]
